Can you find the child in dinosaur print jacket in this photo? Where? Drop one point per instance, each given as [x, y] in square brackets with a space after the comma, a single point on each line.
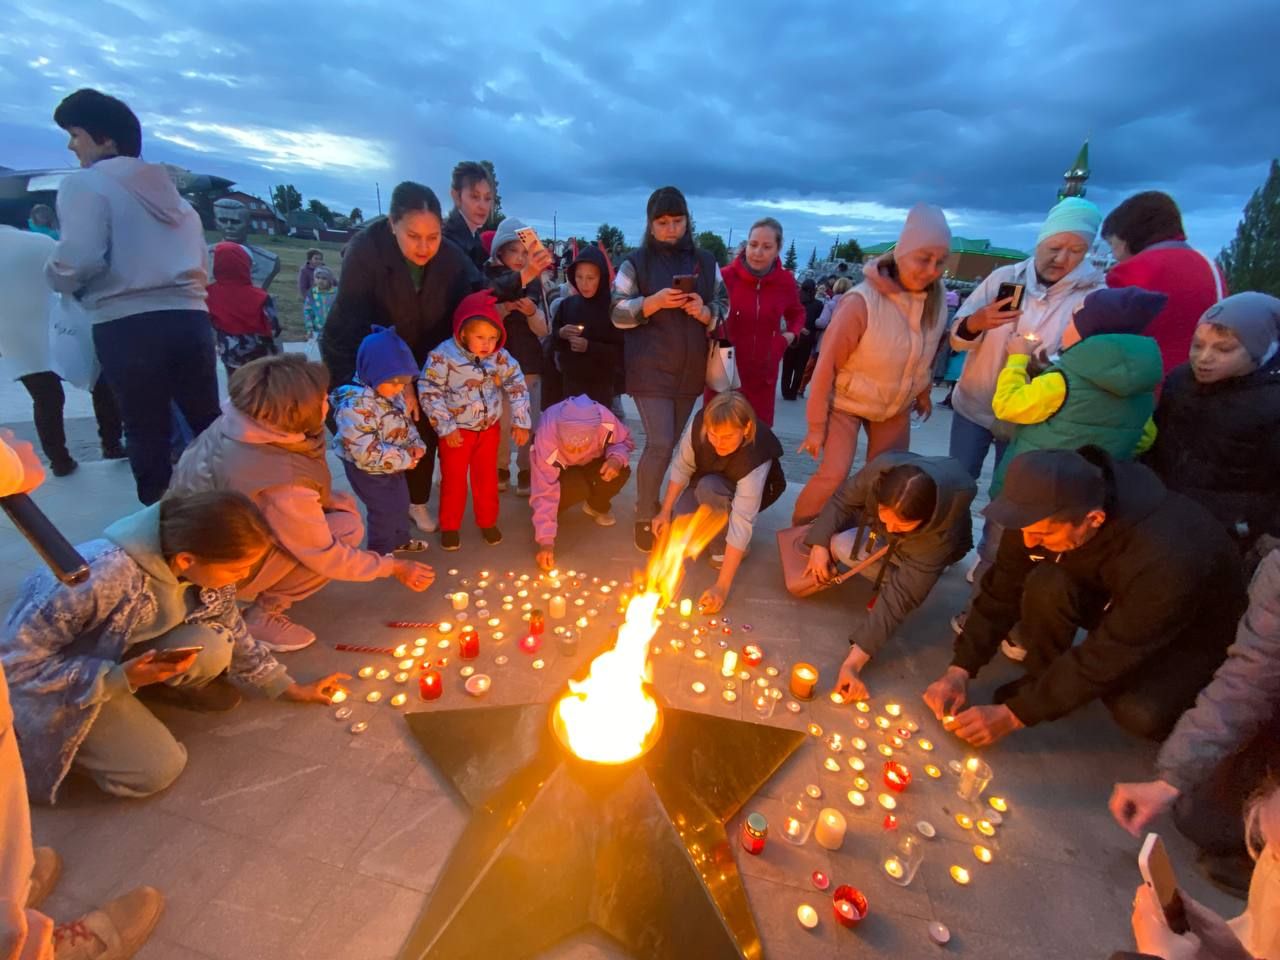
[376, 439]
[460, 391]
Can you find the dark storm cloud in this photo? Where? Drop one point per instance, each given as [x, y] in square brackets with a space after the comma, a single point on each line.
[839, 117]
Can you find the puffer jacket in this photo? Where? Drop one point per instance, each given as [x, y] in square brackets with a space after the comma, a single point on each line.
[460, 391]
[919, 557]
[374, 433]
[1045, 312]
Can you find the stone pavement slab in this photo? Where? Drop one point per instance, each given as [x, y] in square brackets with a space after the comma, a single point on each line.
[288, 837]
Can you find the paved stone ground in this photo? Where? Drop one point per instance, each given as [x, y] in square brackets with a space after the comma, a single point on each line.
[287, 837]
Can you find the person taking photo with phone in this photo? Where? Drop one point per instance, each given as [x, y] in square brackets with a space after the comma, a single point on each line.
[1054, 280]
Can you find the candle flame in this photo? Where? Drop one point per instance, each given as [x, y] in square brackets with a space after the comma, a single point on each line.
[609, 716]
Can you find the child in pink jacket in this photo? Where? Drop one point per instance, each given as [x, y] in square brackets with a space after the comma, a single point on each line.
[580, 455]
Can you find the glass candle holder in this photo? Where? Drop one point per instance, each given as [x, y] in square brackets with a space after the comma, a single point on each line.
[755, 832]
[798, 819]
[901, 854]
[763, 703]
[975, 775]
[804, 677]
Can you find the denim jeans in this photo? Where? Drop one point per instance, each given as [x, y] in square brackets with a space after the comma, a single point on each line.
[969, 444]
[712, 491]
[664, 420]
[386, 506]
[152, 360]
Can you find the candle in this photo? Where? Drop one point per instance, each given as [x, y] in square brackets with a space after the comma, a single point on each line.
[530, 642]
[430, 686]
[830, 828]
[398, 700]
[752, 655]
[856, 764]
[382, 674]
[932, 771]
[896, 776]
[893, 709]
[360, 726]
[885, 750]
[994, 818]
[686, 608]
[469, 643]
[856, 799]
[925, 745]
[583, 623]
[400, 650]
[965, 821]
[807, 916]
[537, 623]
[698, 687]
[973, 779]
[999, 804]
[819, 880]
[858, 743]
[406, 664]
[755, 831]
[850, 905]
[883, 723]
[568, 643]
[890, 822]
[342, 713]
[926, 829]
[401, 677]
[728, 696]
[983, 853]
[466, 672]
[373, 696]
[729, 666]
[832, 764]
[460, 600]
[862, 706]
[835, 743]
[478, 684]
[893, 867]
[364, 673]
[558, 607]
[939, 933]
[862, 783]
[960, 875]
[804, 677]
[538, 664]
[444, 626]
[887, 801]
[985, 827]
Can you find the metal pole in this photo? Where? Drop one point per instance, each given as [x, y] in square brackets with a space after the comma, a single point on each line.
[378, 188]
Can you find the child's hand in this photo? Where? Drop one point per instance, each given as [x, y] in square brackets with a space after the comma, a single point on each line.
[411, 402]
[524, 305]
[520, 435]
[1020, 345]
[578, 344]
[453, 439]
[415, 576]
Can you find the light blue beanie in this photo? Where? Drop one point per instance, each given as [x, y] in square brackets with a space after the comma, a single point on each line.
[1072, 215]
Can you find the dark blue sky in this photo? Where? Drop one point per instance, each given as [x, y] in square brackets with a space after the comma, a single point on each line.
[834, 118]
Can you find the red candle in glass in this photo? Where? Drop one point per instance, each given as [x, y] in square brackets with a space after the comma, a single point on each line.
[890, 821]
[430, 686]
[896, 776]
[755, 830]
[530, 642]
[537, 623]
[752, 655]
[469, 643]
[850, 905]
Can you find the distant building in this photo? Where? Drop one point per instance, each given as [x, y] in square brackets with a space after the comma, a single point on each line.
[1074, 179]
[262, 216]
[969, 260]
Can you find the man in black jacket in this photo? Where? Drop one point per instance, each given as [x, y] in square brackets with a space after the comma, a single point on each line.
[1098, 545]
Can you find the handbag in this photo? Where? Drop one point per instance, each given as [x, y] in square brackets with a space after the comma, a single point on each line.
[722, 366]
[794, 553]
[72, 354]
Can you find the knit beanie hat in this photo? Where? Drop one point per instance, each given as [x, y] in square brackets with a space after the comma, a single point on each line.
[1072, 215]
[382, 356]
[926, 226]
[481, 305]
[666, 202]
[1123, 310]
[506, 233]
[324, 273]
[1253, 317]
[579, 424]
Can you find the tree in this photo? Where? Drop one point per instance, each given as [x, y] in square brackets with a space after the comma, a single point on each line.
[496, 216]
[320, 210]
[714, 244]
[356, 215]
[286, 198]
[790, 261]
[813, 258]
[611, 237]
[849, 250]
[1252, 260]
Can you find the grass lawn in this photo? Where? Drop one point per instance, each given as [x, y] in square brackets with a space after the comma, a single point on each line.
[284, 288]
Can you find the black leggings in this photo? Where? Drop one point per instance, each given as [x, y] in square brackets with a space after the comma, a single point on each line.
[48, 400]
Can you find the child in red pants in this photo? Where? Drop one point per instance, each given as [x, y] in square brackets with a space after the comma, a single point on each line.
[460, 391]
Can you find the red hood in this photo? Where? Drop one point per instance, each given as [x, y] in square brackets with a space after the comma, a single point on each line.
[739, 272]
[479, 304]
[232, 264]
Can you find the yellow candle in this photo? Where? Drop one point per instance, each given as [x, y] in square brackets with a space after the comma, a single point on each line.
[893, 867]
[932, 771]
[999, 804]
[832, 764]
[460, 600]
[856, 764]
[862, 706]
[857, 798]
[960, 875]
[882, 723]
[887, 801]
[893, 709]
[398, 700]
[804, 677]
[729, 666]
[983, 854]
[965, 821]
[401, 677]
[364, 673]
[861, 783]
[698, 687]
[400, 650]
[925, 745]
[583, 623]
[374, 696]
[338, 696]
[558, 607]
[885, 750]
[985, 827]
[407, 664]
[382, 674]
[807, 916]
[858, 743]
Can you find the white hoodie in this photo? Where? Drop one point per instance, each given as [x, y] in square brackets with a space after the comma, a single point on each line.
[130, 244]
[1044, 313]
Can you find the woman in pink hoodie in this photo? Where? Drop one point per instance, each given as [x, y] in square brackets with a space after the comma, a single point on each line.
[875, 361]
[269, 444]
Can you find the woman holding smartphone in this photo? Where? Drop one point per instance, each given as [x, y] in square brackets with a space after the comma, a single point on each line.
[666, 296]
[157, 617]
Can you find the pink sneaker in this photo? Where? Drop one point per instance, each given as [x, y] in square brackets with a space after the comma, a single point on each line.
[276, 631]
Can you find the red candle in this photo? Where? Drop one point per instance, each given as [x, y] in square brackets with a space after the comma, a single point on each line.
[896, 776]
[755, 830]
[850, 905]
[820, 880]
[752, 655]
[530, 642]
[469, 643]
[890, 822]
[537, 623]
[430, 686]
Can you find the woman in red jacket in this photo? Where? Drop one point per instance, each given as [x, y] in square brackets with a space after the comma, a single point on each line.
[1151, 251]
[765, 315]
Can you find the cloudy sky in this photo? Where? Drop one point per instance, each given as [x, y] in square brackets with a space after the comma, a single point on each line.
[833, 117]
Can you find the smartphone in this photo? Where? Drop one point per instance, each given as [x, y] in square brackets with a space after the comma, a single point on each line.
[1157, 872]
[1014, 290]
[175, 654]
[529, 237]
[684, 282]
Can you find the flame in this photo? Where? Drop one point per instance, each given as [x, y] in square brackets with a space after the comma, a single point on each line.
[609, 716]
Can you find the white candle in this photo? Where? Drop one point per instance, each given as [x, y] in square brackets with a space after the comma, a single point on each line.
[729, 666]
[686, 608]
[807, 916]
[460, 600]
[830, 828]
[558, 606]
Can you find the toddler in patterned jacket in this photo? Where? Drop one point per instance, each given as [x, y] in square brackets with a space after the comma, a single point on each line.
[376, 438]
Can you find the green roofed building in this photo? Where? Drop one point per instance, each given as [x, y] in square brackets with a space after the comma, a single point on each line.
[970, 260]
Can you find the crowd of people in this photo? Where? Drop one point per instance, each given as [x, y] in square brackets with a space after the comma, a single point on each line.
[1135, 418]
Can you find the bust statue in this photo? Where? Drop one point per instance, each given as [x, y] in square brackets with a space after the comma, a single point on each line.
[232, 218]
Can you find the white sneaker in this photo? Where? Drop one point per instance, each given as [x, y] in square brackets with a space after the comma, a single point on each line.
[605, 519]
[1014, 651]
[423, 518]
[277, 632]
